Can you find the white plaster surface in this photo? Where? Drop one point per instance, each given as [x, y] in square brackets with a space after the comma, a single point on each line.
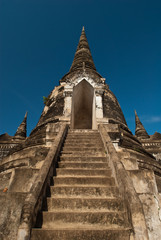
[130, 164]
[144, 181]
[151, 209]
[68, 106]
[99, 107]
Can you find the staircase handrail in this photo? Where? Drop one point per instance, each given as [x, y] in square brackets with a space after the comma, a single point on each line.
[33, 201]
[126, 188]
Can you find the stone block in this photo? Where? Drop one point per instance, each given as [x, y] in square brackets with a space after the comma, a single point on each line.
[152, 213]
[143, 181]
[130, 164]
[10, 212]
[85, 191]
[22, 179]
[78, 233]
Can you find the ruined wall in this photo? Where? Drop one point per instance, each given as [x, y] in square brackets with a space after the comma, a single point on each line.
[18, 173]
[6, 144]
[10, 208]
[54, 106]
[111, 107]
[146, 214]
[5, 148]
[153, 146]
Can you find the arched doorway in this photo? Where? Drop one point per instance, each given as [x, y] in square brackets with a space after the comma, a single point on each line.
[83, 109]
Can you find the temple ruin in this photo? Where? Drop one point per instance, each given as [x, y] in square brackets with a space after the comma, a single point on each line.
[81, 173]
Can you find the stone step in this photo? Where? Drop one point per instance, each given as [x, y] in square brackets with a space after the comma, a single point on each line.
[97, 180]
[84, 135]
[81, 141]
[87, 139]
[82, 130]
[76, 232]
[82, 172]
[84, 191]
[82, 138]
[83, 159]
[82, 154]
[87, 204]
[82, 149]
[82, 144]
[84, 165]
[110, 219]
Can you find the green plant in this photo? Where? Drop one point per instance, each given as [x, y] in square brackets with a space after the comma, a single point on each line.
[45, 99]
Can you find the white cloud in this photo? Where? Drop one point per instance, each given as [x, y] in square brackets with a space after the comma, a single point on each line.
[151, 119]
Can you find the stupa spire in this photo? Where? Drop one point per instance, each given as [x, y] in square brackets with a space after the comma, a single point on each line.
[83, 57]
[21, 130]
[140, 131]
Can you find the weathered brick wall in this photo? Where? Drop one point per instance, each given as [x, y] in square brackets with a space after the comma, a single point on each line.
[111, 107]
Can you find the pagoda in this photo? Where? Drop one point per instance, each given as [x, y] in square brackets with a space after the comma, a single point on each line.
[81, 173]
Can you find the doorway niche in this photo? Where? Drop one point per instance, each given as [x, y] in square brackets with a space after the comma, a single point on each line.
[83, 106]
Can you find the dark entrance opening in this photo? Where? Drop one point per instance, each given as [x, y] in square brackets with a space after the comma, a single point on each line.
[82, 106]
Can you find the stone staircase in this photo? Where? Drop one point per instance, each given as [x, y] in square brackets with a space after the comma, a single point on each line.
[84, 202]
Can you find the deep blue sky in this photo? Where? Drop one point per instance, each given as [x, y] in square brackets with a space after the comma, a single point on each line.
[38, 39]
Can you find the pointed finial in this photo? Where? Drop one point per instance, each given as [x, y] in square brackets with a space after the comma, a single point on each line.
[82, 54]
[26, 114]
[140, 131]
[21, 130]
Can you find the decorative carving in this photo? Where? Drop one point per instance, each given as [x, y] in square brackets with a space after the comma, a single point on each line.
[99, 92]
[68, 93]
